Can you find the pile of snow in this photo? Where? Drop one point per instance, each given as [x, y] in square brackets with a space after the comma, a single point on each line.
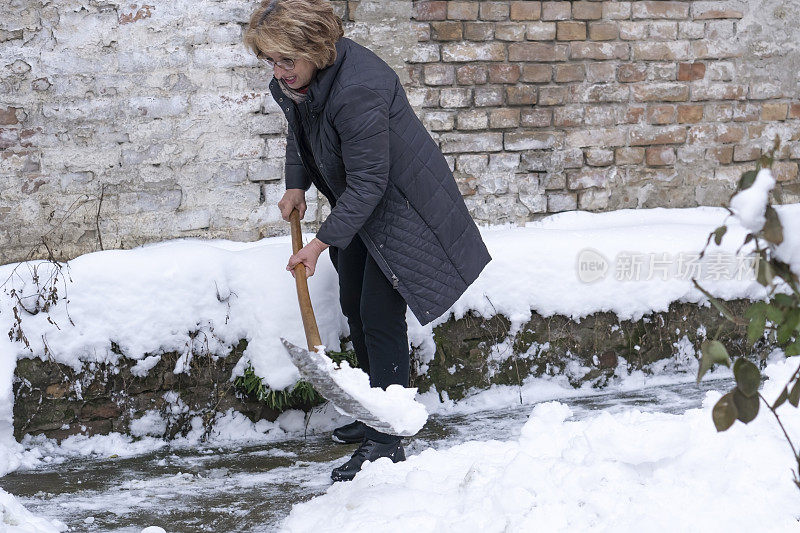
[627, 471]
[14, 518]
[750, 205]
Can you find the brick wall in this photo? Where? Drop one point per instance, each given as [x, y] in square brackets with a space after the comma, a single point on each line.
[550, 106]
[125, 123]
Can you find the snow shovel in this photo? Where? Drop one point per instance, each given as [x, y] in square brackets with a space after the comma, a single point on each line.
[314, 366]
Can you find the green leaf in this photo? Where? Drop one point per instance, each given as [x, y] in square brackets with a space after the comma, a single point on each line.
[781, 398]
[747, 179]
[773, 229]
[719, 233]
[794, 395]
[712, 352]
[757, 313]
[765, 273]
[784, 300]
[747, 376]
[746, 406]
[793, 349]
[724, 413]
[774, 314]
[786, 329]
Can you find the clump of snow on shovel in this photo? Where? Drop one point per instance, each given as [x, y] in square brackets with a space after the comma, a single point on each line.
[396, 405]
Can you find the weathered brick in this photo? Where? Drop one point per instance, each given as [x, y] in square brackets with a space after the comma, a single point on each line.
[602, 137]
[8, 116]
[599, 51]
[509, 31]
[471, 74]
[461, 52]
[662, 9]
[504, 73]
[568, 116]
[785, 170]
[462, 10]
[584, 10]
[729, 133]
[589, 177]
[473, 164]
[571, 31]
[556, 10]
[439, 74]
[599, 157]
[794, 110]
[691, 30]
[704, 49]
[537, 52]
[633, 30]
[660, 156]
[561, 201]
[629, 156]
[528, 140]
[690, 114]
[745, 152]
[536, 118]
[521, 95]
[745, 112]
[446, 31]
[508, 117]
[723, 155]
[616, 10]
[478, 31]
[425, 53]
[593, 199]
[632, 72]
[489, 96]
[533, 73]
[541, 31]
[430, 10]
[439, 120]
[527, 10]
[455, 97]
[597, 115]
[570, 72]
[714, 10]
[662, 51]
[633, 114]
[660, 92]
[473, 119]
[603, 31]
[662, 30]
[719, 91]
[642, 136]
[662, 114]
[604, 92]
[494, 11]
[553, 95]
[600, 72]
[422, 30]
[471, 142]
[774, 111]
[691, 71]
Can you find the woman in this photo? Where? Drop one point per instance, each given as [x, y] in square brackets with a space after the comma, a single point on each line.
[399, 233]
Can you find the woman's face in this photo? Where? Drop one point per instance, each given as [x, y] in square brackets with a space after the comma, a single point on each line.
[297, 77]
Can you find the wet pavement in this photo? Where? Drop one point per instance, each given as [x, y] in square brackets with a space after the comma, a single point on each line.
[252, 488]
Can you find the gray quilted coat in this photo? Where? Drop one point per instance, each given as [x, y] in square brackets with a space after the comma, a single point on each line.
[359, 142]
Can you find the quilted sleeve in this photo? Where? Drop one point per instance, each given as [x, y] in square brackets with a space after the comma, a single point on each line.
[296, 175]
[362, 122]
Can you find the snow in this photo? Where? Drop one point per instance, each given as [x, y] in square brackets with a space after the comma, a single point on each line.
[750, 204]
[620, 471]
[396, 406]
[14, 518]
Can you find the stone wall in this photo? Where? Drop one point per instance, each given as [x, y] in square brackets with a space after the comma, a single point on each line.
[124, 123]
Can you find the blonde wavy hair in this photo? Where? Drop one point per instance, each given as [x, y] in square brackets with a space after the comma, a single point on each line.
[307, 29]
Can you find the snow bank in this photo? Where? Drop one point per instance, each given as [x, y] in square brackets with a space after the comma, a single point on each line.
[14, 518]
[626, 471]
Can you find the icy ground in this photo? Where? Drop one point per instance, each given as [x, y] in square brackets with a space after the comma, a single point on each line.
[245, 489]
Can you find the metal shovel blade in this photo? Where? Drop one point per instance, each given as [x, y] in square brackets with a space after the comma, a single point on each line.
[314, 369]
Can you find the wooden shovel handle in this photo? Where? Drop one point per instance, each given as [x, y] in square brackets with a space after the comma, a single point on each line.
[303, 297]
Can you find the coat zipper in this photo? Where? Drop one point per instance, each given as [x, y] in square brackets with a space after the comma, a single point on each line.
[395, 279]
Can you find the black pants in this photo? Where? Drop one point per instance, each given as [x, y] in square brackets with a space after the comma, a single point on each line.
[376, 314]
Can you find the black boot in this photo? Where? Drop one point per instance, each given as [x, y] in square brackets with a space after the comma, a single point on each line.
[349, 434]
[369, 450]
